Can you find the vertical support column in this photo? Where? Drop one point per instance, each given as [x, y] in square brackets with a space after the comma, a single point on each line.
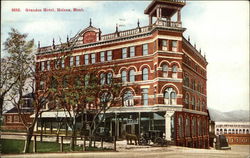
[84, 144]
[61, 145]
[51, 128]
[139, 123]
[101, 143]
[111, 127]
[115, 125]
[41, 132]
[66, 128]
[150, 20]
[114, 139]
[45, 126]
[179, 16]
[34, 144]
[153, 122]
[118, 128]
[36, 127]
[158, 13]
[168, 24]
[168, 116]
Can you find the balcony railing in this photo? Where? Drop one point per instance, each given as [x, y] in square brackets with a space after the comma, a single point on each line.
[126, 33]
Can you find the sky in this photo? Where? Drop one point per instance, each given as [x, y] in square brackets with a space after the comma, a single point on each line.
[219, 28]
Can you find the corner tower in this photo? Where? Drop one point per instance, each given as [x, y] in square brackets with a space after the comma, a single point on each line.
[163, 11]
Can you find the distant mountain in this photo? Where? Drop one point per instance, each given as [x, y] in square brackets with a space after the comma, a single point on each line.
[235, 116]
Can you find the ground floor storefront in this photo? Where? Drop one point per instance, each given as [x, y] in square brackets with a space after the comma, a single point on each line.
[179, 127]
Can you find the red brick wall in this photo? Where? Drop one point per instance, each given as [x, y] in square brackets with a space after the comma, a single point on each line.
[15, 125]
[238, 138]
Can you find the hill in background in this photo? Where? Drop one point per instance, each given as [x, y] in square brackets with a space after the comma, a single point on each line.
[231, 116]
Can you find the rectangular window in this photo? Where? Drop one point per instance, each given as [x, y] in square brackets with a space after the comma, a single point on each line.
[145, 49]
[16, 118]
[92, 58]
[77, 60]
[132, 51]
[9, 118]
[86, 59]
[42, 66]
[71, 62]
[48, 65]
[102, 56]
[174, 45]
[124, 53]
[164, 45]
[145, 96]
[109, 55]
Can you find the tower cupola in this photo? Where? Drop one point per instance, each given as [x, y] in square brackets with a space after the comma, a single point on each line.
[163, 11]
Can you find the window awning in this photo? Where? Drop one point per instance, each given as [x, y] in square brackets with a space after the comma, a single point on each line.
[54, 114]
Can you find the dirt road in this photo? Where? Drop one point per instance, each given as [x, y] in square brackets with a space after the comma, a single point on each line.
[238, 151]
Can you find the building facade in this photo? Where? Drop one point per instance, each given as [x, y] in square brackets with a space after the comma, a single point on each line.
[12, 120]
[167, 68]
[235, 132]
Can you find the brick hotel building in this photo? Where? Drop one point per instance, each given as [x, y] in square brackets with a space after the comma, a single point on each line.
[170, 73]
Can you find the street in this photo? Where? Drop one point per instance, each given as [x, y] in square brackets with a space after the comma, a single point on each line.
[237, 151]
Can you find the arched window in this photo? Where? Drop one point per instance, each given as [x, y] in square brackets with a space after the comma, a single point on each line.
[199, 127]
[180, 123]
[187, 100]
[186, 81]
[174, 71]
[198, 105]
[225, 131]
[221, 132]
[247, 131]
[193, 103]
[128, 99]
[165, 70]
[145, 74]
[124, 76]
[187, 128]
[109, 78]
[170, 96]
[105, 98]
[204, 131]
[233, 131]
[132, 75]
[102, 76]
[194, 126]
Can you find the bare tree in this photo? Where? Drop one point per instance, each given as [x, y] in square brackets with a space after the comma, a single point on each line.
[22, 70]
[7, 81]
